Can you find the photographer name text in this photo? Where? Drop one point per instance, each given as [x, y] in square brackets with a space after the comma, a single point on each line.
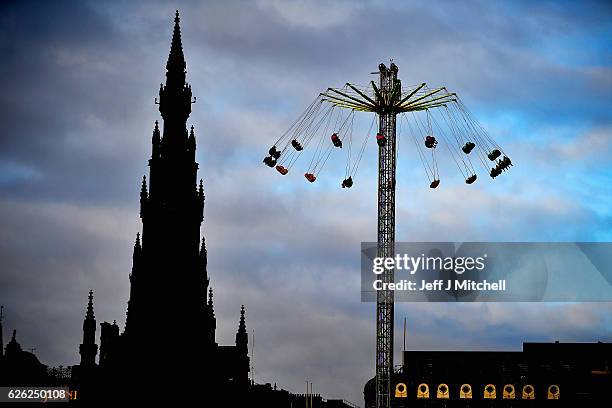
[441, 285]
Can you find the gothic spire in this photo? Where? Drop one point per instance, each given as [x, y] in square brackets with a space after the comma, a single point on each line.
[175, 66]
[175, 96]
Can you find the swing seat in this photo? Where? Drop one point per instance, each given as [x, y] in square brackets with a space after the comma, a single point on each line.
[471, 179]
[282, 169]
[269, 161]
[297, 145]
[381, 140]
[336, 140]
[494, 154]
[274, 153]
[430, 142]
[467, 148]
[504, 163]
[435, 183]
[347, 183]
[310, 177]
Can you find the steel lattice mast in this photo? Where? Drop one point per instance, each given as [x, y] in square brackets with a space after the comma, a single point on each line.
[387, 102]
[386, 234]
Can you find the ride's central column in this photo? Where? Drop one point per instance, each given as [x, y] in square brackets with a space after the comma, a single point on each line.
[388, 95]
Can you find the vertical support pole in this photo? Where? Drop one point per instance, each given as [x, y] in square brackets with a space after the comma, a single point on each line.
[386, 234]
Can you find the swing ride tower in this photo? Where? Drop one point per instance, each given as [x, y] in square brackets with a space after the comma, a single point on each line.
[386, 100]
[386, 231]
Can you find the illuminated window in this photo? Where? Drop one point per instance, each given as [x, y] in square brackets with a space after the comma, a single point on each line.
[443, 391]
[509, 392]
[465, 391]
[489, 392]
[553, 392]
[528, 392]
[401, 391]
[423, 391]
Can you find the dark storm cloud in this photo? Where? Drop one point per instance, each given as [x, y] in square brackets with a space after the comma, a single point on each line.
[69, 102]
[78, 82]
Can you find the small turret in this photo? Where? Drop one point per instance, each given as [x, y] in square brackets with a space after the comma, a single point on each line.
[137, 248]
[88, 349]
[143, 188]
[242, 347]
[211, 308]
[156, 141]
[109, 341]
[144, 196]
[201, 199]
[211, 321]
[192, 140]
[13, 348]
[136, 256]
[242, 338]
[204, 264]
[203, 251]
[90, 309]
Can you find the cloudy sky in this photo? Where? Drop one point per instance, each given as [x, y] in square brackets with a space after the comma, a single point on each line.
[78, 83]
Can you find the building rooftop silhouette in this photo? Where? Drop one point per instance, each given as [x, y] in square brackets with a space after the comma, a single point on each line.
[542, 374]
